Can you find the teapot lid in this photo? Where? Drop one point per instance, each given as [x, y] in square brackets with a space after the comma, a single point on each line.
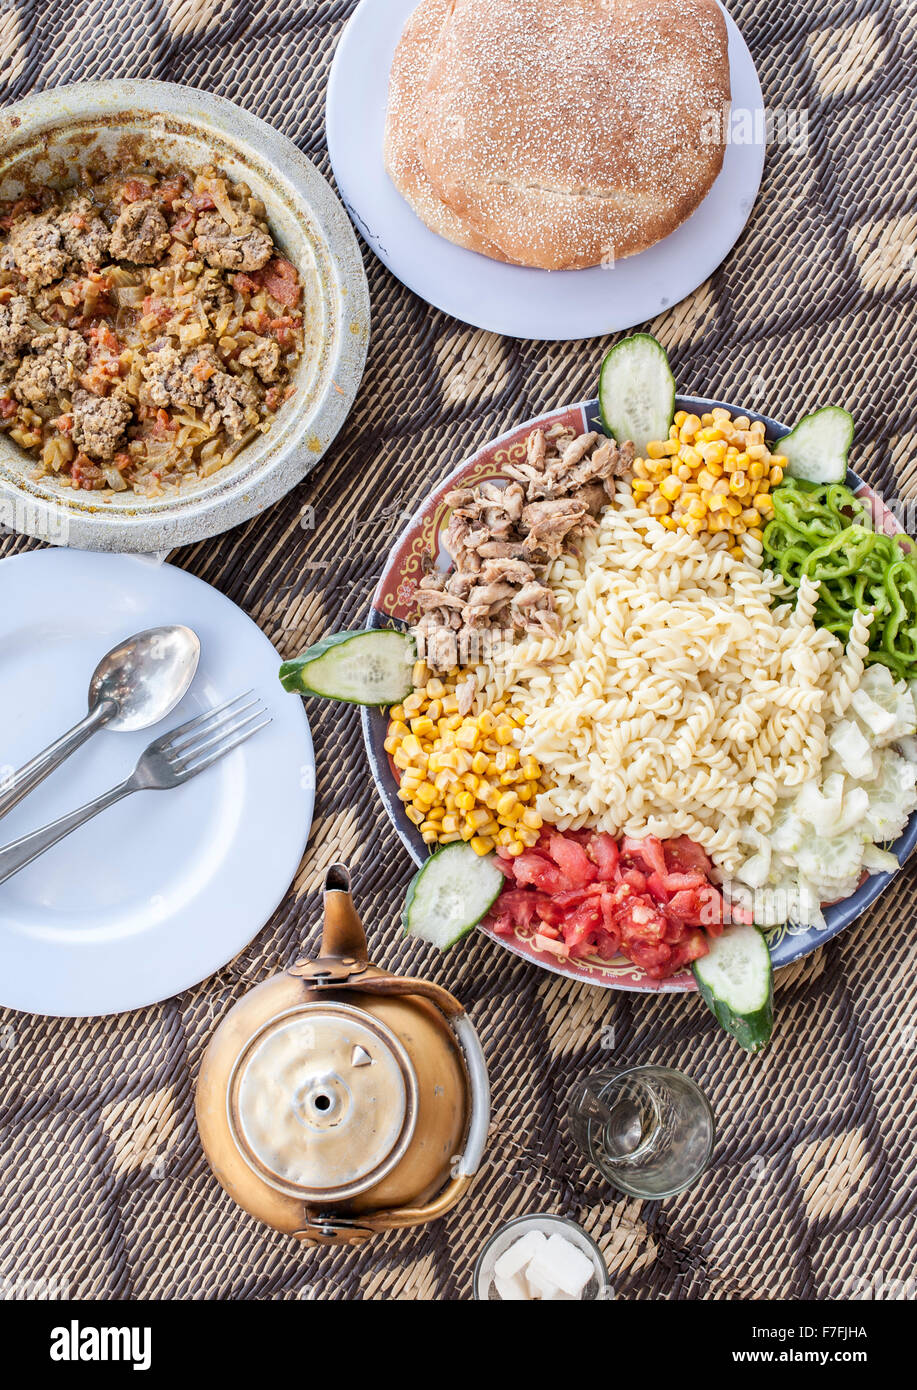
[322, 1101]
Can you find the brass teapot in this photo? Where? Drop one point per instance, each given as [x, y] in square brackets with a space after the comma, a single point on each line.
[337, 1100]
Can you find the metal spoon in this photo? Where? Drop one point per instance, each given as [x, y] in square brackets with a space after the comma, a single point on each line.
[138, 683]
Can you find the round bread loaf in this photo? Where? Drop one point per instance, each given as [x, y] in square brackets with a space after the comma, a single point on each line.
[558, 133]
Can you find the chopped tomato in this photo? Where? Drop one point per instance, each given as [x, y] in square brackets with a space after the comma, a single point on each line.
[580, 895]
[649, 849]
[603, 851]
[280, 280]
[163, 424]
[243, 284]
[201, 202]
[135, 189]
[63, 424]
[8, 407]
[573, 861]
[170, 190]
[683, 855]
[282, 329]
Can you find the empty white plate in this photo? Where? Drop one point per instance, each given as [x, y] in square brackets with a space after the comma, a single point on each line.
[163, 889]
[551, 305]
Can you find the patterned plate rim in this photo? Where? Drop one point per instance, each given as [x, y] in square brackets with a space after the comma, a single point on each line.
[416, 537]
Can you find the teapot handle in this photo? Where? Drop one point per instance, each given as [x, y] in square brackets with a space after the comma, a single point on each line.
[467, 1164]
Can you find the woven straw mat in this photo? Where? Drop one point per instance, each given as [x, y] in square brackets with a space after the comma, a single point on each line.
[105, 1186]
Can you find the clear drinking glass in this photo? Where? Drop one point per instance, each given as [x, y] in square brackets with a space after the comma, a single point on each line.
[649, 1130]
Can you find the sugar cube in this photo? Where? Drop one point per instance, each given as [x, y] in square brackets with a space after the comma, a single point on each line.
[512, 1290]
[517, 1256]
[563, 1264]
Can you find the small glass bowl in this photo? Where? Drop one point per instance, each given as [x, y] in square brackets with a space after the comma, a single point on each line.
[484, 1287]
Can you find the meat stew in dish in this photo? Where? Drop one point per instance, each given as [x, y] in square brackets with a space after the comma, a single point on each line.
[149, 328]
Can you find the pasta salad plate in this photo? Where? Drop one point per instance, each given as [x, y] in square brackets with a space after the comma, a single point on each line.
[664, 686]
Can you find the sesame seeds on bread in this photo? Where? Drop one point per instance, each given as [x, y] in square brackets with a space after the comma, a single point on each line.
[558, 133]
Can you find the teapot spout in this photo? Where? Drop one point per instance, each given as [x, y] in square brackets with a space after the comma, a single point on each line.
[342, 934]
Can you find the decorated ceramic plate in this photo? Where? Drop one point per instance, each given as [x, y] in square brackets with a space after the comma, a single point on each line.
[394, 605]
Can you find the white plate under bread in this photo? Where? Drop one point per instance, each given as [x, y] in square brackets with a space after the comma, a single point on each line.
[480, 288]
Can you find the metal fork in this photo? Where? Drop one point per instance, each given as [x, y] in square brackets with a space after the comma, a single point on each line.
[169, 761]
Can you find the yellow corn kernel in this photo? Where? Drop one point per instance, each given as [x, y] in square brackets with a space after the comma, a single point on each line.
[756, 532]
[689, 426]
[738, 482]
[531, 769]
[430, 837]
[401, 760]
[391, 745]
[435, 688]
[776, 475]
[705, 480]
[670, 487]
[479, 763]
[532, 820]
[756, 469]
[640, 487]
[670, 448]
[466, 736]
[506, 802]
[690, 456]
[423, 727]
[477, 818]
[414, 815]
[659, 507]
[486, 723]
[764, 503]
[654, 449]
[504, 734]
[711, 434]
[452, 722]
[426, 794]
[697, 508]
[757, 452]
[640, 469]
[464, 801]
[482, 844]
[450, 824]
[397, 715]
[679, 418]
[751, 517]
[733, 506]
[715, 501]
[413, 704]
[420, 674]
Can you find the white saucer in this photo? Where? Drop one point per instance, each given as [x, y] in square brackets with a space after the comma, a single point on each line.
[163, 889]
[550, 305]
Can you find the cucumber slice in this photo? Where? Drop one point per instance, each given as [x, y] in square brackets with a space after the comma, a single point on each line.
[450, 894]
[736, 983]
[360, 668]
[816, 450]
[637, 392]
